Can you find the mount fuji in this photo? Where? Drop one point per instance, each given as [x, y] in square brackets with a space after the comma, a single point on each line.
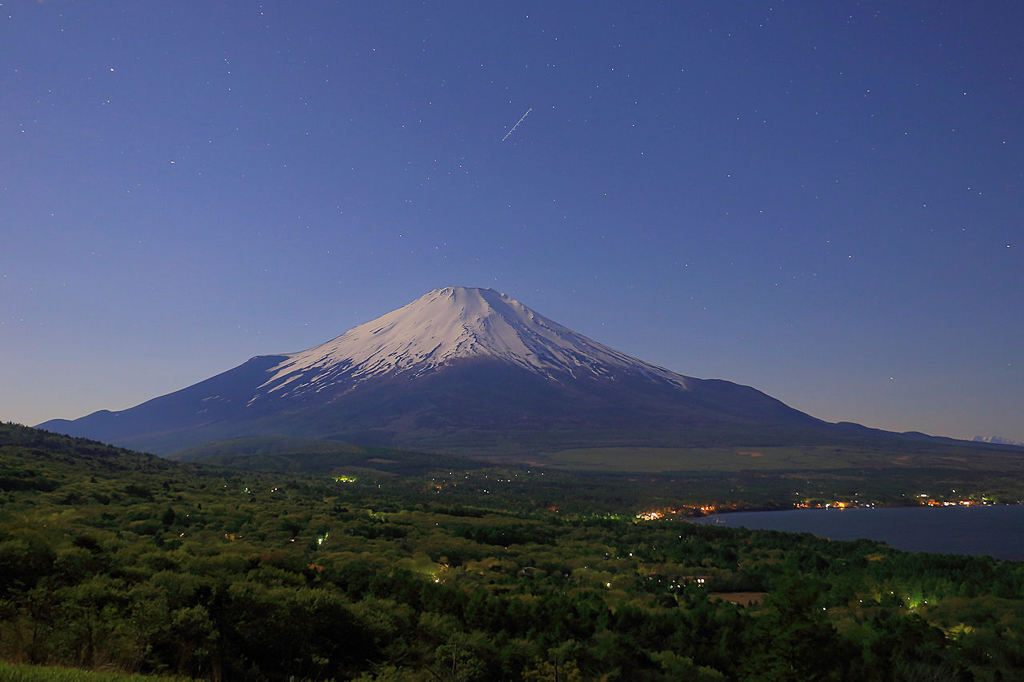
[457, 370]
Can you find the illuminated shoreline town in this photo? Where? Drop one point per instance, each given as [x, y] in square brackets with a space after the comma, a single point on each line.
[922, 500]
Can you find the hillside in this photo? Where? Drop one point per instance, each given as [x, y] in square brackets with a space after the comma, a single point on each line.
[122, 561]
[281, 453]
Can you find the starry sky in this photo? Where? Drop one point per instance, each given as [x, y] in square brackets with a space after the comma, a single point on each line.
[824, 200]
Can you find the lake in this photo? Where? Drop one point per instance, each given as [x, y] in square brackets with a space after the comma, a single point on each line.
[997, 531]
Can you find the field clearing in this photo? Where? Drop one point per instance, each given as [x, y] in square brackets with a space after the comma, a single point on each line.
[659, 460]
[18, 672]
[786, 458]
[740, 598]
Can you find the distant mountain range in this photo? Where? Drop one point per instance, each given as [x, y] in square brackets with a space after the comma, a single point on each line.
[468, 371]
[996, 440]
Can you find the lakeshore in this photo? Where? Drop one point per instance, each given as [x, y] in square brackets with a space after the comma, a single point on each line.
[992, 530]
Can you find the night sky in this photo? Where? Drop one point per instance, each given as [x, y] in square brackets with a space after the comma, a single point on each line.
[824, 200]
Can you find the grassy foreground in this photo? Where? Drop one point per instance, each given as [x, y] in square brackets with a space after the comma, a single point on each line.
[18, 672]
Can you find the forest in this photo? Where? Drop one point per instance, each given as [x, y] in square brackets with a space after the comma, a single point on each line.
[117, 561]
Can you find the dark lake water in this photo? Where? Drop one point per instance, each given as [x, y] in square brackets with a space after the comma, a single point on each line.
[997, 531]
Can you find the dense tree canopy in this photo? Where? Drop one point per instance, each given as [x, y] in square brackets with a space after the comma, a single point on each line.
[115, 560]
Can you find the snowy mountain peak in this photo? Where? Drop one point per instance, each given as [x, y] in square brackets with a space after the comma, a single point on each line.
[458, 370]
[448, 325]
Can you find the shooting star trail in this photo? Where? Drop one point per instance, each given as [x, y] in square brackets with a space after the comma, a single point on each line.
[512, 129]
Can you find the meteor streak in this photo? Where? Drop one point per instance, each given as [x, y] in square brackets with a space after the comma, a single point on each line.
[512, 129]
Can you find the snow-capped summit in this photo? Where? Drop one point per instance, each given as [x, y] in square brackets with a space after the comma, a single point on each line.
[448, 325]
[457, 370]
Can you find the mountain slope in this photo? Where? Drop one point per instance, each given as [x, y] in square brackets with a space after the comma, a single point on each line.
[458, 369]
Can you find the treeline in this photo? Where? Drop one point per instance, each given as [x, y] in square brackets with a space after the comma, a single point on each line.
[134, 564]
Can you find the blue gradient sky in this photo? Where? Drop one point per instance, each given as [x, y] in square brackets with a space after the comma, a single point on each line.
[822, 200]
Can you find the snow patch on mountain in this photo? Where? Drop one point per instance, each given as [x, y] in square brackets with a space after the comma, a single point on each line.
[451, 324]
[997, 440]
